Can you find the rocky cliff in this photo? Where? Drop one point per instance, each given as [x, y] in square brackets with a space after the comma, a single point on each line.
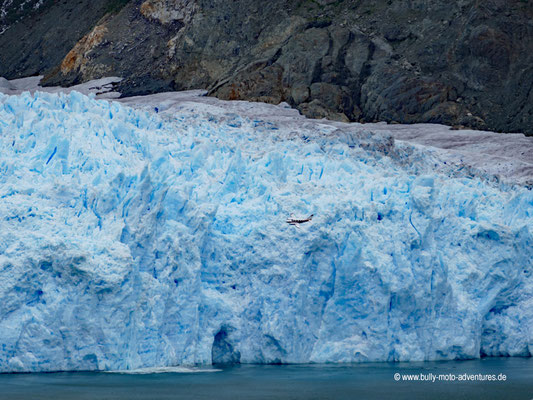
[467, 62]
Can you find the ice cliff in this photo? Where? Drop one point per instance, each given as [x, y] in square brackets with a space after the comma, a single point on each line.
[130, 240]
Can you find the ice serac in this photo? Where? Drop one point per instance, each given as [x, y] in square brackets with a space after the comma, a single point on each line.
[130, 240]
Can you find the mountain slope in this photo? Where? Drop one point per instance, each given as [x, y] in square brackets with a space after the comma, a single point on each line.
[460, 63]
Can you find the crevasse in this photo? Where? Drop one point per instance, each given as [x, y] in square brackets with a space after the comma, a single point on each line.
[129, 240]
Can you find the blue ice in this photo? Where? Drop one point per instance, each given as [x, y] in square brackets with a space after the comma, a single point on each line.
[131, 240]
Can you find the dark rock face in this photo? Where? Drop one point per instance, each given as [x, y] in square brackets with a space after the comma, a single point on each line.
[38, 34]
[460, 63]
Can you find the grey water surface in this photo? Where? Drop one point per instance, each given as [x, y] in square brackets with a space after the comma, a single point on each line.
[452, 380]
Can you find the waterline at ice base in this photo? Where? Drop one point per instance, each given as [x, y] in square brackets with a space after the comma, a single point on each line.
[131, 239]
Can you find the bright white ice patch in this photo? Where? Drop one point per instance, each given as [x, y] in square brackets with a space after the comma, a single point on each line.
[130, 239]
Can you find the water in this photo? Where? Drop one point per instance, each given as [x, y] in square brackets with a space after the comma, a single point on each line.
[362, 381]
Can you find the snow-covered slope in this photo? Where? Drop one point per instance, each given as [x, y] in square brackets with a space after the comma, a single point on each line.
[131, 239]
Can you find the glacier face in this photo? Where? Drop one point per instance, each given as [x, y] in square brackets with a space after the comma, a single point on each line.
[131, 240]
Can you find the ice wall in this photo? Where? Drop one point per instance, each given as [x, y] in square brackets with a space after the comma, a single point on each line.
[129, 240]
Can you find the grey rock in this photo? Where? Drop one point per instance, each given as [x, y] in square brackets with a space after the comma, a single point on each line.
[36, 40]
[299, 94]
[459, 63]
[316, 109]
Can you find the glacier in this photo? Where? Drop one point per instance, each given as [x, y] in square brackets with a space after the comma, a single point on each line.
[131, 239]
